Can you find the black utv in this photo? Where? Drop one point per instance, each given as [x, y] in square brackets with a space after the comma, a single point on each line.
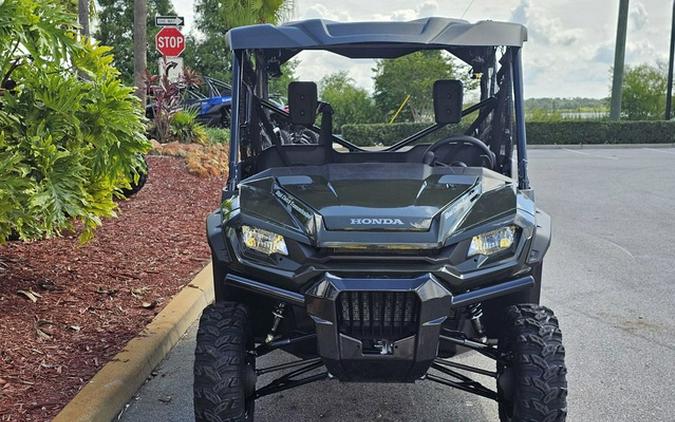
[372, 265]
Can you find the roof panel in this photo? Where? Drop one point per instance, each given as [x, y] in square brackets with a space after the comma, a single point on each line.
[366, 38]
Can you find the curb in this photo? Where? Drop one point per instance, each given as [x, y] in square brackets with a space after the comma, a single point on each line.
[116, 383]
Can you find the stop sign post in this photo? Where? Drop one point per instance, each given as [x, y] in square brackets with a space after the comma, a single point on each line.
[170, 42]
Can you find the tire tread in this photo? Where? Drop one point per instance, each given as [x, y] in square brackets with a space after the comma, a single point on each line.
[220, 356]
[533, 338]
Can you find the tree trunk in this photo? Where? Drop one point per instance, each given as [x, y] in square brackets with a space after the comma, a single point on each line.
[83, 16]
[140, 47]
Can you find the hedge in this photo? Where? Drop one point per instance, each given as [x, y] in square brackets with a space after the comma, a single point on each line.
[600, 132]
[538, 133]
[389, 134]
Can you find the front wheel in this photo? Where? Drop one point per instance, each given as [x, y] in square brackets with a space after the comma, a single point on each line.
[531, 384]
[224, 370]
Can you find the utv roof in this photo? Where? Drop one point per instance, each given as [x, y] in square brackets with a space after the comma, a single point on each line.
[377, 39]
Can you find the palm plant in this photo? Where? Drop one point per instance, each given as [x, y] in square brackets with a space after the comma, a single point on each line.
[217, 16]
[247, 12]
[68, 144]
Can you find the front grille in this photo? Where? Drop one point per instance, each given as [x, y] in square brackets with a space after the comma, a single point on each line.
[378, 315]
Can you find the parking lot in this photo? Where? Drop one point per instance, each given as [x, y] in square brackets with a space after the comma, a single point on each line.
[609, 276]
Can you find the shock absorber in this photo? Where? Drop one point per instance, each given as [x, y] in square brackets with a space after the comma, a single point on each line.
[475, 313]
[278, 314]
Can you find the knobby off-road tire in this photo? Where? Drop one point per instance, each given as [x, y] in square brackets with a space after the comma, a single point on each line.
[532, 383]
[223, 368]
[225, 118]
[136, 186]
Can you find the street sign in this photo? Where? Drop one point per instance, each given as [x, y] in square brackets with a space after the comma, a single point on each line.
[169, 21]
[173, 68]
[170, 42]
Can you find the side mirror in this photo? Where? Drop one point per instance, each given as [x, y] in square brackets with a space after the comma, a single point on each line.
[448, 100]
[303, 99]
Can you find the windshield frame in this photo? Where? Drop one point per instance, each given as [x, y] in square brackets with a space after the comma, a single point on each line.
[250, 79]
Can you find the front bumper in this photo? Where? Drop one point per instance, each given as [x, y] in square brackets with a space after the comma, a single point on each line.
[393, 346]
[379, 329]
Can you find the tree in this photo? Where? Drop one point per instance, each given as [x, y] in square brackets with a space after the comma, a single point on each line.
[115, 28]
[218, 16]
[83, 16]
[644, 92]
[208, 56]
[140, 47]
[208, 53]
[68, 145]
[413, 74]
[279, 86]
[351, 103]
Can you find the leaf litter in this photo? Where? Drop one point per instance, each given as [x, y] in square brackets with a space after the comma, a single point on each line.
[73, 315]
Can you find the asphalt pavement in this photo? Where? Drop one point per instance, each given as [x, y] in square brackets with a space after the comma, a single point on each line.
[609, 276]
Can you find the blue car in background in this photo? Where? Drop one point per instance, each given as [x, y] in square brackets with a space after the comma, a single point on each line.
[212, 102]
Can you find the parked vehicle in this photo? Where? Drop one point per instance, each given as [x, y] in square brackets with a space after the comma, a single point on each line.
[379, 266]
[212, 102]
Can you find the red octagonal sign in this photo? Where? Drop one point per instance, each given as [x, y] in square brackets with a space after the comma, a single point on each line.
[170, 42]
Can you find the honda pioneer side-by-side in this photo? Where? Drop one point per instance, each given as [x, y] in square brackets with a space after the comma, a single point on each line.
[379, 265]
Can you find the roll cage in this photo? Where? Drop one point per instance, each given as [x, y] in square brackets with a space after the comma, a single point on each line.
[491, 49]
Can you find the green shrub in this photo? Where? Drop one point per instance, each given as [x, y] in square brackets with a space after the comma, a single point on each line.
[538, 133]
[68, 144]
[600, 132]
[218, 135]
[539, 115]
[185, 128]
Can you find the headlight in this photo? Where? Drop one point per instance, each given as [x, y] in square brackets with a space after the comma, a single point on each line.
[492, 242]
[263, 241]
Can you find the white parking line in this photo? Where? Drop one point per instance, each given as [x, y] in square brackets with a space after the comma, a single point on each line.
[659, 150]
[606, 157]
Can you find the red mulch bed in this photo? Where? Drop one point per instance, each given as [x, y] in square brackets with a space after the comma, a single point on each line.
[95, 298]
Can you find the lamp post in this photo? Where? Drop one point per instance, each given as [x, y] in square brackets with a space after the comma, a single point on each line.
[669, 91]
[619, 59]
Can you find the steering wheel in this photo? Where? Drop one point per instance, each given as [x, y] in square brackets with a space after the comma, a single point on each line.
[459, 141]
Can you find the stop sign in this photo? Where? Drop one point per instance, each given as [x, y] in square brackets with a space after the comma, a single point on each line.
[170, 42]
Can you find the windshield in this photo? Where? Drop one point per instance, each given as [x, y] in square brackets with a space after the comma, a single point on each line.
[392, 96]
[359, 108]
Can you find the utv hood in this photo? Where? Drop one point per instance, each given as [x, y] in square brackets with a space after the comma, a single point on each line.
[377, 198]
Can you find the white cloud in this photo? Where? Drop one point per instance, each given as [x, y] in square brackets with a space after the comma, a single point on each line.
[604, 53]
[427, 9]
[424, 10]
[314, 65]
[570, 47]
[542, 26]
[319, 10]
[638, 16]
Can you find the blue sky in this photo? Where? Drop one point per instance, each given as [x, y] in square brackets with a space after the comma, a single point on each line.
[570, 50]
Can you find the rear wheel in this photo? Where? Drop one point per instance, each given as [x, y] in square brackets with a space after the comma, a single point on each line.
[225, 118]
[532, 384]
[224, 370]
